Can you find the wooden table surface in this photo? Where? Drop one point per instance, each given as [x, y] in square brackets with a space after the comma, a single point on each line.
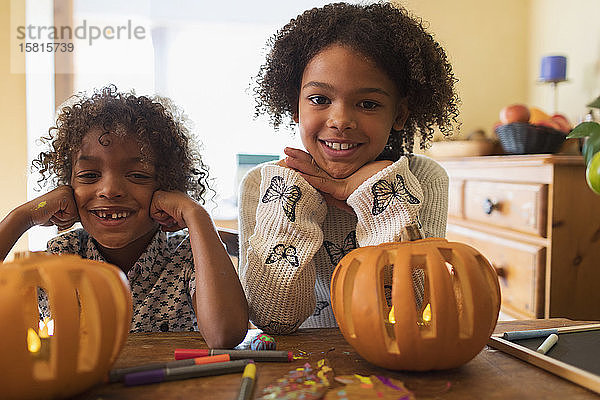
[490, 375]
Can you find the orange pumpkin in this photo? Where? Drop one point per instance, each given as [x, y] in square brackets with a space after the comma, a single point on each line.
[448, 327]
[90, 304]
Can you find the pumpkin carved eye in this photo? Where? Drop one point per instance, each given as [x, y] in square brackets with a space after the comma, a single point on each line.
[416, 305]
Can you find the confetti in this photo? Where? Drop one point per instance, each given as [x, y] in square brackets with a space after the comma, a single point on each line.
[300, 355]
[302, 383]
[41, 205]
[369, 387]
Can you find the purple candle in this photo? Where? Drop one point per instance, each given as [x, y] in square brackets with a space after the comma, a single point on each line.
[554, 69]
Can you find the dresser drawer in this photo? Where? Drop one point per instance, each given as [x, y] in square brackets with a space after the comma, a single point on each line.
[455, 197]
[520, 269]
[517, 206]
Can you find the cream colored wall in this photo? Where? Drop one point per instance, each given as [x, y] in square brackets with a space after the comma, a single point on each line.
[13, 136]
[496, 49]
[486, 42]
[571, 29]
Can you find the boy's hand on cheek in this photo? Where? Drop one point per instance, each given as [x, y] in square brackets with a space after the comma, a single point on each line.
[56, 207]
[169, 209]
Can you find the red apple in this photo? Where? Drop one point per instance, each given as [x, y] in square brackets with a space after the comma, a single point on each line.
[550, 123]
[563, 122]
[514, 113]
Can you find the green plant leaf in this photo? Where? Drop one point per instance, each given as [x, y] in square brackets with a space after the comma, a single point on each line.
[591, 147]
[584, 129]
[595, 103]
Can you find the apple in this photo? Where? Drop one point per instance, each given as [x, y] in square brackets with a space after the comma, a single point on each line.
[563, 122]
[550, 123]
[514, 113]
[592, 173]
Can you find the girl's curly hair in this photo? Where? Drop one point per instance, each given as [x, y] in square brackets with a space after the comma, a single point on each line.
[157, 125]
[398, 44]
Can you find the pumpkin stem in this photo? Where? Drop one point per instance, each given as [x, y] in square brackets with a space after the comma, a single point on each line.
[411, 233]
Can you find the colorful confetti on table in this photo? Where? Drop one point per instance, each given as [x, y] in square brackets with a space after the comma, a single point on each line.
[300, 355]
[305, 383]
[369, 387]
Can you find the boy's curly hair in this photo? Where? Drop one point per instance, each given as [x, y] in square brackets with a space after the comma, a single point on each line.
[156, 124]
[398, 44]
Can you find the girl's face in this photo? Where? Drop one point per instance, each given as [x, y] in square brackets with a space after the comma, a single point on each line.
[113, 189]
[346, 110]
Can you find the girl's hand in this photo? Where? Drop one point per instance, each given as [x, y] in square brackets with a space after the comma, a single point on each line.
[170, 208]
[337, 189]
[56, 207]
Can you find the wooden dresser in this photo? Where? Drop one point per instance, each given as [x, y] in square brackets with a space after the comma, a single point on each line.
[536, 220]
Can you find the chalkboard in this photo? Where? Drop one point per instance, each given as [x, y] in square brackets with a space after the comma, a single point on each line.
[576, 355]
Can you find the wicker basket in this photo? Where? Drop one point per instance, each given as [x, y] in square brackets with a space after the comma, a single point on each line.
[521, 138]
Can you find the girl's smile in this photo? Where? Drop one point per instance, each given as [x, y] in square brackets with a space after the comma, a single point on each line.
[113, 189]
[347, 109]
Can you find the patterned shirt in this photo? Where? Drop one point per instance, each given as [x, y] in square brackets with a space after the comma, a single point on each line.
[162, 280]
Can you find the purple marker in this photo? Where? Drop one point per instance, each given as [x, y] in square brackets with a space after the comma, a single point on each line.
[191, 371]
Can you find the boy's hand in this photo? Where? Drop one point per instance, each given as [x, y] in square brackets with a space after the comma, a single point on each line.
[337, 189]
[56, 207]
[169, 209]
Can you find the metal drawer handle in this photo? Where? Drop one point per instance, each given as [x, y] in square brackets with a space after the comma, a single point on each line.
[489, 206]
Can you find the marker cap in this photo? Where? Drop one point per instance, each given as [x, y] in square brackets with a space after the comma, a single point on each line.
[182, 354]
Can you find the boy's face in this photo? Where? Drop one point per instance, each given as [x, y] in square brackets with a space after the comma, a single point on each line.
[346, 110]
[113, 189]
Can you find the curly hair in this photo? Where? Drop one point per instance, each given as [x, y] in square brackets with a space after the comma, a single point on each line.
[160, 129]
[394, 40]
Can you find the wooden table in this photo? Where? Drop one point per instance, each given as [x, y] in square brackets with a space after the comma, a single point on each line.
[490, 375]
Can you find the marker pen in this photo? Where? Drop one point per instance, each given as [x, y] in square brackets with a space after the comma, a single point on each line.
[118, 374]
[256, 355]
[247, 385]
[190, 371]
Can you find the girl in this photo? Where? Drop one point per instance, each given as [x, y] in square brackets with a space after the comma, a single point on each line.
[361, 82]
[127, 169]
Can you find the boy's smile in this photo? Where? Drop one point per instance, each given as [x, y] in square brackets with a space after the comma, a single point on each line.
[113, 189]
[346, 110]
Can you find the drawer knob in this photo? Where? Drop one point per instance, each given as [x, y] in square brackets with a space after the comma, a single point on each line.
[489, 206]
[500, 271]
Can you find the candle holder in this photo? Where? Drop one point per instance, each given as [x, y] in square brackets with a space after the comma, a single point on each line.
[554, 70]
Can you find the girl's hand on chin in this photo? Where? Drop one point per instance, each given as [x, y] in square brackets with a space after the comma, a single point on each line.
[335, 191]
[169, 209]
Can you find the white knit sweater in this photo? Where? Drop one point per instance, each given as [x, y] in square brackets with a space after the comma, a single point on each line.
[291, 240]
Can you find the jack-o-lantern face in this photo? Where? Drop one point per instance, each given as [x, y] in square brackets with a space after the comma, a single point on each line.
[442, 303]
[90, 305]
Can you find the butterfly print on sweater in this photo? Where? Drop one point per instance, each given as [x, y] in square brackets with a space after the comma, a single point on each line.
[336, 253]
[288, 196]
[283, 252]
[384, 192]
[321, 305]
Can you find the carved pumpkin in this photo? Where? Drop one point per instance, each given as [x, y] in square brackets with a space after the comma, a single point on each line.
[90, 304]
[458, 313]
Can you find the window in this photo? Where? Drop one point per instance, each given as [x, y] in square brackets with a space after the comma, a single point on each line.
[200, 54]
